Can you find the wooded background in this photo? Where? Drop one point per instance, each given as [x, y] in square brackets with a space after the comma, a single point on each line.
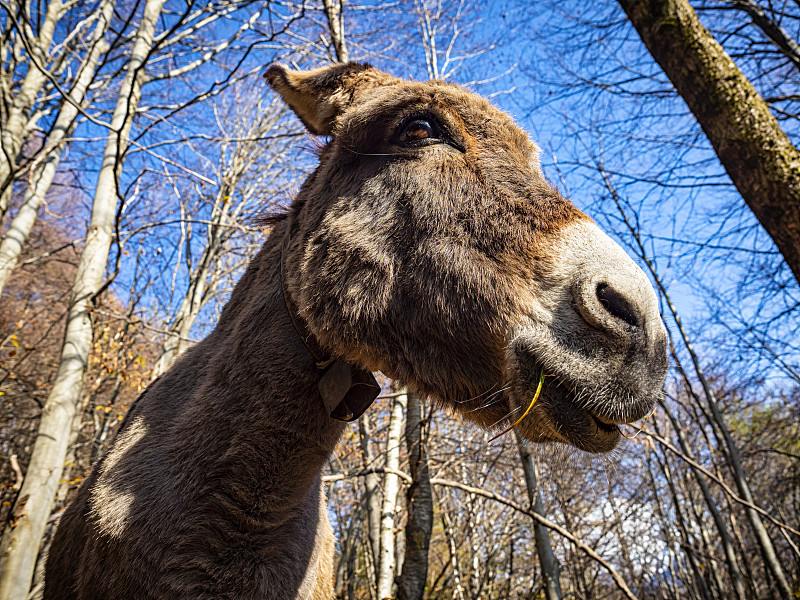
[140, 144]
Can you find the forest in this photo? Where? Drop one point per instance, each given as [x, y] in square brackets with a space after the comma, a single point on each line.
[142, 149]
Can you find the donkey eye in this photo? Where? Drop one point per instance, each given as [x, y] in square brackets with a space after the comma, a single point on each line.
[419, 130]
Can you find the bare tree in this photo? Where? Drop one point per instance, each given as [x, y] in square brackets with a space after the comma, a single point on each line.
[667, 515]
[251, 148]
[758, 156]
[16, 118]
[391, 487]
[334, 11]
[419, 500]
[716, 417]
[42, 156]
[20, 542]
[44, 169]
[547, 559]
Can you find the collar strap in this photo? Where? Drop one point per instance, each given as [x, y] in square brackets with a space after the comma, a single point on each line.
[347, 390]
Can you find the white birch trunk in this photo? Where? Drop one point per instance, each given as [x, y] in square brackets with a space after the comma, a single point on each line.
[20, 544]
[45, 168]
[177, 338]
[391, 486]
[458, 589]
[334, 10]
[14, 129]
[475, 567]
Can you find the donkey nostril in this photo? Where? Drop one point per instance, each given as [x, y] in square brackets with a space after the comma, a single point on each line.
[616, 304]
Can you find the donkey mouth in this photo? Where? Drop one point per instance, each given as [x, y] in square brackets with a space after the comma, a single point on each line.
[574, 424]
[568, 412]
[604, 426]
[597, 437]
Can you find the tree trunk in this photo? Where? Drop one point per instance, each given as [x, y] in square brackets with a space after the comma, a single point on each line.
[245, 155]
[391, 486]
[176, 338]
[667, 530]
[411, 584]
[547, 559]
[752, 582]
[757, 155]
[688, 547]
[45, 168]
[722, 530]
[334, 10]
[457, 587]
[11, 137]
[20, 543]
[371, 483]
[474, 520]
[715, 580]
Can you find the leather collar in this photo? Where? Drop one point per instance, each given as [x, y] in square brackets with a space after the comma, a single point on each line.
[346, 389]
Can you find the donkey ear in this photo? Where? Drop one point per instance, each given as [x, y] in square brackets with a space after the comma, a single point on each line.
[319, 96]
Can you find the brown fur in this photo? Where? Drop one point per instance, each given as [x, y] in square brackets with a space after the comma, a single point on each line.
[421, 262]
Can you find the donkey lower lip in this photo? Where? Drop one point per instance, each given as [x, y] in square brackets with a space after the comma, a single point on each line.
[603, 425]
[580, 428]
[593, 434]
[570, 421]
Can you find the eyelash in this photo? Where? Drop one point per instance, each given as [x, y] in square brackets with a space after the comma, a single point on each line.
[442, 136]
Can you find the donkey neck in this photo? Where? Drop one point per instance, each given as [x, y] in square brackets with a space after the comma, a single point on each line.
[260, 384]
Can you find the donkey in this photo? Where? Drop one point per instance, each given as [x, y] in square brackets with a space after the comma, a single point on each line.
[426, 245]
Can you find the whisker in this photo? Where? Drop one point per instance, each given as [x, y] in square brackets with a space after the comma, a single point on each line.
[493, 399]
[508, 416]
[530, 406]
[479, 395]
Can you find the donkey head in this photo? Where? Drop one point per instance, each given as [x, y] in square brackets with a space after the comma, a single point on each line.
[428, 245]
